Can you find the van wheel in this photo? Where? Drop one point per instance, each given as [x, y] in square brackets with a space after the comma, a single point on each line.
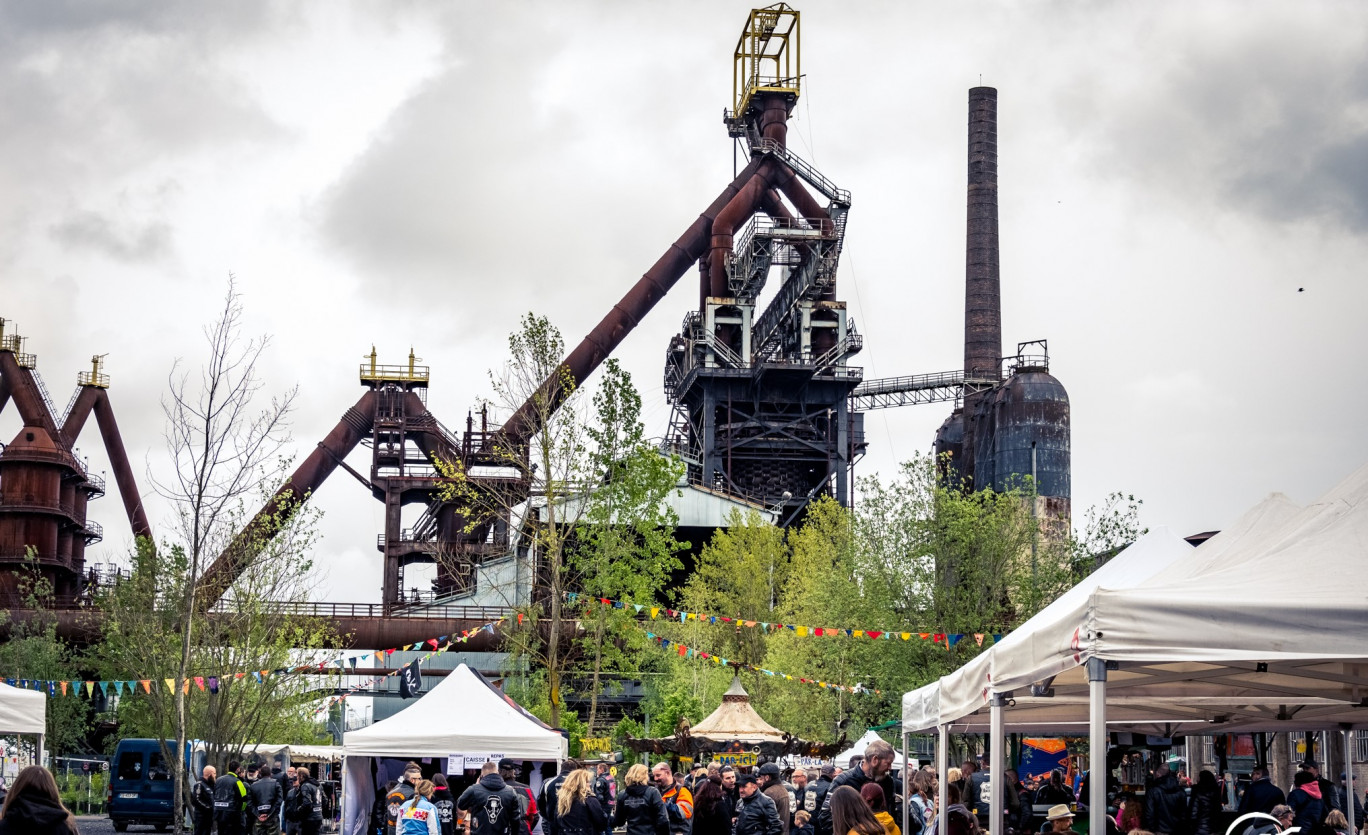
[120, 826]
[160, 827]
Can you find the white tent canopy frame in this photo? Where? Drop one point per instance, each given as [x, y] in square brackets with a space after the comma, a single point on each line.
[1264, 627]
[842, 759]
[463, 714]
[23, 712]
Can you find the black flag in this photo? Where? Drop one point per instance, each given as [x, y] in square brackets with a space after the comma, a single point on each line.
[411, 680]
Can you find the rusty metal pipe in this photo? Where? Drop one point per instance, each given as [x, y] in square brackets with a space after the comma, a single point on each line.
[118, 461]
[309, 476]
[80, 410]
[24, 391]
[4, 393]
[737, 211]
[614, 327]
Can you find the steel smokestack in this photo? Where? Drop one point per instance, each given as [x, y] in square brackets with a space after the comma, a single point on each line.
[982, 299]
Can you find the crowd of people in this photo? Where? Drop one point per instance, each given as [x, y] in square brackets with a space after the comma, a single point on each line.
[265, 800]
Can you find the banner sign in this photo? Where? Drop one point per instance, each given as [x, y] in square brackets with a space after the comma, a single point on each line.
[455, 764]
[738, 759]
[595, 744]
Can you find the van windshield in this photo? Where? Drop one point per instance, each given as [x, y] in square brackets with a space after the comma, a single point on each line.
[130, 765]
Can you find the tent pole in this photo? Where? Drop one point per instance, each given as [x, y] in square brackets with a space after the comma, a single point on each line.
[942, 769]
[1097, 745]
[906, 782]
[1348, 784]
[996, 763]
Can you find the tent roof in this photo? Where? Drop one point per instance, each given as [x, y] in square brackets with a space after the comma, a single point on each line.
[735, 719]
[1264, 629]
[463, 714]
[966, 689]
[22, 711]
[843, 759]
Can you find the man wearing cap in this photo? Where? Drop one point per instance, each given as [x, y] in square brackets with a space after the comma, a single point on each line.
[805, 798]
[1262, 795]
[877, 761]
[1060, 819]
[550, 789]
[756, 813]
[773, 788]
[1343, 794]
[527, 802]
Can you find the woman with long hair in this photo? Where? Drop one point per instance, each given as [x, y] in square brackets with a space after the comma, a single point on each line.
[922, 796]
[639, 805]
[712, 813]
[418, 816]
[851, 815]
[1128, 816]
[1203, 805]
[578, 811]
[33, 806]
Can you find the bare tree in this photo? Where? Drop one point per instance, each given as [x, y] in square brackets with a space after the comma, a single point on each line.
[219, 437]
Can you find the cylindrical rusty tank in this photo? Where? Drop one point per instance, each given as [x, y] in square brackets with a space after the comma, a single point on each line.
[948, 448]
[43, 497]
[1031, 417]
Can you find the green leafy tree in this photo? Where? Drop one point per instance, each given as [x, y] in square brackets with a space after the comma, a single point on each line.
[624, 547]
[33, 651]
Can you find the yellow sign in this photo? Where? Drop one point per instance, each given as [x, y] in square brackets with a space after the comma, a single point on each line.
[743, 758]
[602, 743]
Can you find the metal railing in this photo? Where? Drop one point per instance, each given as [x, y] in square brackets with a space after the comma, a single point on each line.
[482, 614]
[803, 169]
[375, 373]
[94, 532]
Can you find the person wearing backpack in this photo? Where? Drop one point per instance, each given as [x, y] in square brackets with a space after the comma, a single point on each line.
[527, 802]
[304, 806]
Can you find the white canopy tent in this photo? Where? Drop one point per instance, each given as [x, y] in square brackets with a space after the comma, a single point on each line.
[1264, 627]
[23, 712]
[843, 759]
[463, 714]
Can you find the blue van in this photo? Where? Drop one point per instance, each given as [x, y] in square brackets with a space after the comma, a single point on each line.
[140, 786]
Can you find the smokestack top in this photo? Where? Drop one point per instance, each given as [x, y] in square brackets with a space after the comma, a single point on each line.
[982, 286]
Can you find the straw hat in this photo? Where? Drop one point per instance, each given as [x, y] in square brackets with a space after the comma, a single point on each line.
[1058, 812]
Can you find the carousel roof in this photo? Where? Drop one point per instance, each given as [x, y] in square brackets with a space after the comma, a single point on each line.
[735, 719]
[734, 725]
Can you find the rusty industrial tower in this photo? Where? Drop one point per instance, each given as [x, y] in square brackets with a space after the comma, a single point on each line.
[44, 484]
[766, 408]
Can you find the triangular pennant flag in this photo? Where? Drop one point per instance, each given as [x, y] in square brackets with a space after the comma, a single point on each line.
[185, 685]
[637, 606]
[800, 630]
[875, 635]
[258, 677]
[817, 632]
[64, 688]
[170, 685]
[938, 638]
[906, 636]
[997, 636]
[924, 635]
[432, 641]
[89, 688]
[978, 638]
[655, 610]
[353, 662]
[199, 682]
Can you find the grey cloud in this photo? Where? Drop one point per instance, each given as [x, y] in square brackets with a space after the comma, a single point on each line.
[1260, 120]
[125, 242]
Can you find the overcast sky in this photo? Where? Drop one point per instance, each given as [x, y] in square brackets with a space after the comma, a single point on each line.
[1172, 175]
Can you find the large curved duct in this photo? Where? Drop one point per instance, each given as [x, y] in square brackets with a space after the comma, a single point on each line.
[118, 461]
[24, 391]
[614, 327]
[307, 477]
